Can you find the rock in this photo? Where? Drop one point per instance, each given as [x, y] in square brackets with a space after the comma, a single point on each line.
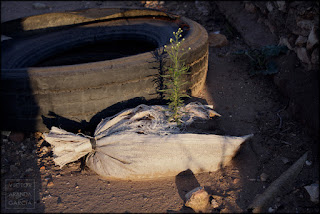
[42, 168]
[303, 55]
[264, 177]
[45, 150]
[269, 6]
[285, 160]
[153, 4]
[315, 56]
[305, 24]
[284, 41]
[214, 204]
[236, 180]
[281, 5]
[39, 6]
[218, 40]
[198, 200]
[312, 39]
[6, 133]
[308, 163]
[16, 137]
[3, 38]
[50, 184]
[301, 41]
[271, 210]
[250, 7]
[313, 191]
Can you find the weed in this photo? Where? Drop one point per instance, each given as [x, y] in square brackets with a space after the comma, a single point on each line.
[260, 59]
[174, 77]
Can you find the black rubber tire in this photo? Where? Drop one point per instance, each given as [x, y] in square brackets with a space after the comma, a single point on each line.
[31, 95]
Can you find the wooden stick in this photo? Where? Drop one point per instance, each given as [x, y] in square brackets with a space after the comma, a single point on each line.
[274, 189]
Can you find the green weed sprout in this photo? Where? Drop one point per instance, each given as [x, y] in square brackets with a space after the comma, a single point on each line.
[174, 77]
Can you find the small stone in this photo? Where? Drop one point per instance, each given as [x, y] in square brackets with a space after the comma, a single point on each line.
[303, 55]
[281, 5]
[198, 200]
[313, 191]
[39, 6]
[305, 24]
[16, 137]
[50, 184]
[301, 41]
[45, 149]
[5, 133]
[315, 56]
[4, 38]
[271, 210]
[42, 168]
[284, 41]
[269, 6]
[218, 40]
[236, 180]
[214, 204]
[250, 7]
[312, 39]
[285, 160]
[308, 163]
[264, 177]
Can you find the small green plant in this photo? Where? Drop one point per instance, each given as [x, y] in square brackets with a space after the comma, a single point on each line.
[173, 76]
[260, 59]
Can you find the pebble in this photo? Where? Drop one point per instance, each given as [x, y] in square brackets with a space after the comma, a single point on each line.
[5, 133]
[303, 55]
[271, 210]
[313, 191]
[301, 40]
[264, 177]
[250, 7]
[50, 184]
[285, 160]
[218, 40]
[214, 204]
[312, 39]
[236, 180]
[3, 38]
[308, 163]
[42, 168]
[45, 149]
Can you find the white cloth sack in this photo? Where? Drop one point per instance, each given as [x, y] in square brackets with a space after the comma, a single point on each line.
[140, 143]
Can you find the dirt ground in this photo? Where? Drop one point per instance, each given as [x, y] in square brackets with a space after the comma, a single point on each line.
[248, 104]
